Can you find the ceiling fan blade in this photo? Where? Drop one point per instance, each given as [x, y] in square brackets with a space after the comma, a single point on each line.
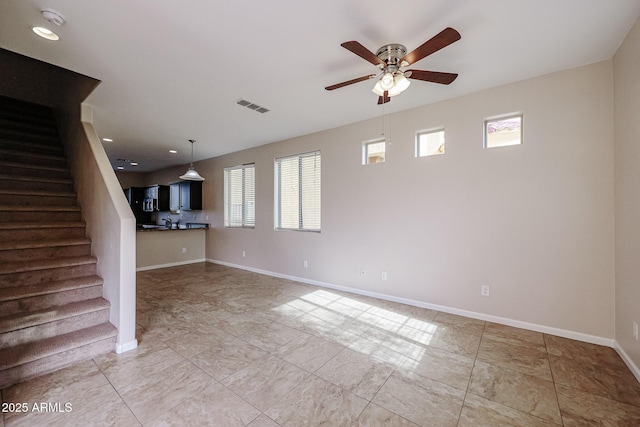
[350, 82]
[443, 39]
[431, 76]
[362, 52]
[384, 99]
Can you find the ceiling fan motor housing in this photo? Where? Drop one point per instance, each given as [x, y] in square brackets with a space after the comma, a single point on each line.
[391, 54]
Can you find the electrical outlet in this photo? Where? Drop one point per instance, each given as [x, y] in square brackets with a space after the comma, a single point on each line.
[184, 250]
[363, 272]
[306, 263]
[383, 275]
[244, 254]
[635, 330]
[485, 290]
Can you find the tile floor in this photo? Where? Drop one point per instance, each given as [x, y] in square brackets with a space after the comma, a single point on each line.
[225, 347]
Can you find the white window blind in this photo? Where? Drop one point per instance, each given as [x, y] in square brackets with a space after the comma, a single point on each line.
[240, 196]
[298, 192]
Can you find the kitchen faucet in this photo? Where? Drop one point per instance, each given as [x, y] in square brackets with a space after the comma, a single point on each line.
[167, 222]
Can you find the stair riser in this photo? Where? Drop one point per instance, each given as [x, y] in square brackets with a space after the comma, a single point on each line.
[19, 146]
[39, 216]
[48, 252]
[55, 362]
[14, 125]
[40, 302]
[30, 136]
[16, 184]
[51, 329]
[18, 157]
[37, 200]
[40, 234]
[17, 170]
[46, 275]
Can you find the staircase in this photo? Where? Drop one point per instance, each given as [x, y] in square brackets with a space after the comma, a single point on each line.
[52, 313]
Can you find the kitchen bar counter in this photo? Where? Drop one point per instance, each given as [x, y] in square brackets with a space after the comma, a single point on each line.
[180, 227]
[164, 247]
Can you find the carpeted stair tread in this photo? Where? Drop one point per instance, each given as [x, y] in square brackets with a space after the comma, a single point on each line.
[36, 179]
[19, 321]
[36, 193]
[29, 166]
[45, 208]
[45, 264]
[28, 352]
[26, 244]
[40, 225]
[27, 291]
[32, 154]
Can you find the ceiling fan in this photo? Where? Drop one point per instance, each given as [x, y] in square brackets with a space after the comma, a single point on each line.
[392, 57]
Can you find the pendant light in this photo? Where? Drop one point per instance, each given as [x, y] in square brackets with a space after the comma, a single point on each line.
[192, 174]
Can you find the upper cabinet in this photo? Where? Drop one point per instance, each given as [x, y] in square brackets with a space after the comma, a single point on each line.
[186, 195]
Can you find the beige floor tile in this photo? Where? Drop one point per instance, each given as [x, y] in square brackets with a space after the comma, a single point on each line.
[421, 400]
[265, 381]
[581, 409]
[456, 338]
[440, 365]
[227, 357]
[193, 343]
[316, 402]
[472, 326]
[530, 359]
[479, 412]
[263, 421]
[138, 364]
[266, 335]
[510, 334]
[214, 406]
[606, 380]
[525, 393]
[308, 352]
[375, 416]
[160, 392]
[356, 373]
[68, 385]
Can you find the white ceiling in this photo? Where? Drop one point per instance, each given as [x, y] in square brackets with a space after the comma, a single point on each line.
[173, 70]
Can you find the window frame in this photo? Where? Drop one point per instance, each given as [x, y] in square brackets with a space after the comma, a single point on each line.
[365, 151]
[428, 132]
[245, 217]
[503, 117]
[301, 206]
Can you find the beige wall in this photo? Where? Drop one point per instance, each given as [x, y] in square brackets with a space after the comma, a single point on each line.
[157, 249]
[626, 66]
[535, 222]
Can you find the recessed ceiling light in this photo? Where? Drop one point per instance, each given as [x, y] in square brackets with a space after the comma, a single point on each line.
[45, 33]
[173, 151]
[134, 163]
[120, 168]
[107, 139]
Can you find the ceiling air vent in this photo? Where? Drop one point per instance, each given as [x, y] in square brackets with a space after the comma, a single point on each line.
[251, 106]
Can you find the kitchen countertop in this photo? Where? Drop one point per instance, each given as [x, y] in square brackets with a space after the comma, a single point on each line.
[181, 227]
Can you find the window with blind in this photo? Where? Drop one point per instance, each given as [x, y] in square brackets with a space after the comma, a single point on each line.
[240, 196]
[297, 184]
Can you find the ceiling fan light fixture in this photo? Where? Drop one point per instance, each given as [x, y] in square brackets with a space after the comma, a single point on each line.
[377, 89]
[386, 82]
[191, 174]
[401, 83]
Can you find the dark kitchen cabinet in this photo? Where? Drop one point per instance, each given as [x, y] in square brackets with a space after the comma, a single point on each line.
[186, 195]
[156, 198]
[135, 197]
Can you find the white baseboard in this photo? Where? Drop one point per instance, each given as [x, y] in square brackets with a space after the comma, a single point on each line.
[121, 348]
[171, 264]
[627, 360]
[579, 336]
